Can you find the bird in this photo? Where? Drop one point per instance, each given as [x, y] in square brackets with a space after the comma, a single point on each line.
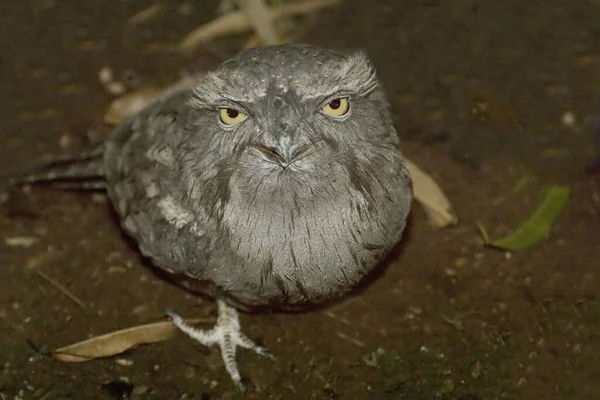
[275, 182]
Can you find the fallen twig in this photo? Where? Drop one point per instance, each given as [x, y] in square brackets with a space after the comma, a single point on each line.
[238, 22]
[60, 288]
[260, 20]
[145, 15]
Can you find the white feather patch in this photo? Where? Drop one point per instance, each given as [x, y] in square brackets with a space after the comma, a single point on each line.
[163, 155]
[174, 213]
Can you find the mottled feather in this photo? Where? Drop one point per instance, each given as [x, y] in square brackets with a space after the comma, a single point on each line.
[208, 202]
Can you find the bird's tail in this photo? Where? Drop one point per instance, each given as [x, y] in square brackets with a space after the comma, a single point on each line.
[83, 171]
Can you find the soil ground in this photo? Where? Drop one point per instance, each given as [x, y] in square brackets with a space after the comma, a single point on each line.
[480, 90]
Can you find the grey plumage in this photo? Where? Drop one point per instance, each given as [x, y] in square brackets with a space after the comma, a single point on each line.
[200, 202]
[289, 207]
[80, 171]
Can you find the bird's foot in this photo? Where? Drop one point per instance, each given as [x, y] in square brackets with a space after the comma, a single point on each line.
[227, 334]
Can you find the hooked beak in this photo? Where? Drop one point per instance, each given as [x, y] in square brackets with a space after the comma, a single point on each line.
[284, 155]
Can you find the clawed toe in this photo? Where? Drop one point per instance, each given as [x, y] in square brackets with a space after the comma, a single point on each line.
[227, 334]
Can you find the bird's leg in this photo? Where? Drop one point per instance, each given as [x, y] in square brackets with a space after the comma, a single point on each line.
[227, 334]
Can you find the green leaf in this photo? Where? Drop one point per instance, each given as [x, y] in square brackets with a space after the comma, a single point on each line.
[521, 183]
[537, 226]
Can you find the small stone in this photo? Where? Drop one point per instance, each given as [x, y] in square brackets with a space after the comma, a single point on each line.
[140, 390]
[64, 141]
[99, 198]
[476, 372]
[372, 359]
[568, 119]
[105, 76]
[115, 88]
[21, 241]
[139, 310]
[461, 262]
[116, 269]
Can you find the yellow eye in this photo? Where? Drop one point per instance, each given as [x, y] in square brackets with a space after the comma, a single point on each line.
[230, 116]
[337, 107]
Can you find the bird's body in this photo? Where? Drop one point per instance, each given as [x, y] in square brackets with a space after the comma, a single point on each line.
[276, 182]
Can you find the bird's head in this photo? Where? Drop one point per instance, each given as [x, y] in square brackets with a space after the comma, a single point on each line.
[294, 117]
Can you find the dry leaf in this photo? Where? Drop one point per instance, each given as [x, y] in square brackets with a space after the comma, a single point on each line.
[117, 342]
[131, 103]
[427, 192]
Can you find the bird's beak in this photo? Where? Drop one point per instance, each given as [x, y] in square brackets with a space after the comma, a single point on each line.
[284, 153]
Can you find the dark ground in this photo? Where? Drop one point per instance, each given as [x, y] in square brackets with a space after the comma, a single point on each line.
[479, 89]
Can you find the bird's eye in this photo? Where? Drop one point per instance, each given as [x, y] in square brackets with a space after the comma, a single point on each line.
[337, 107]
[230, 116]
